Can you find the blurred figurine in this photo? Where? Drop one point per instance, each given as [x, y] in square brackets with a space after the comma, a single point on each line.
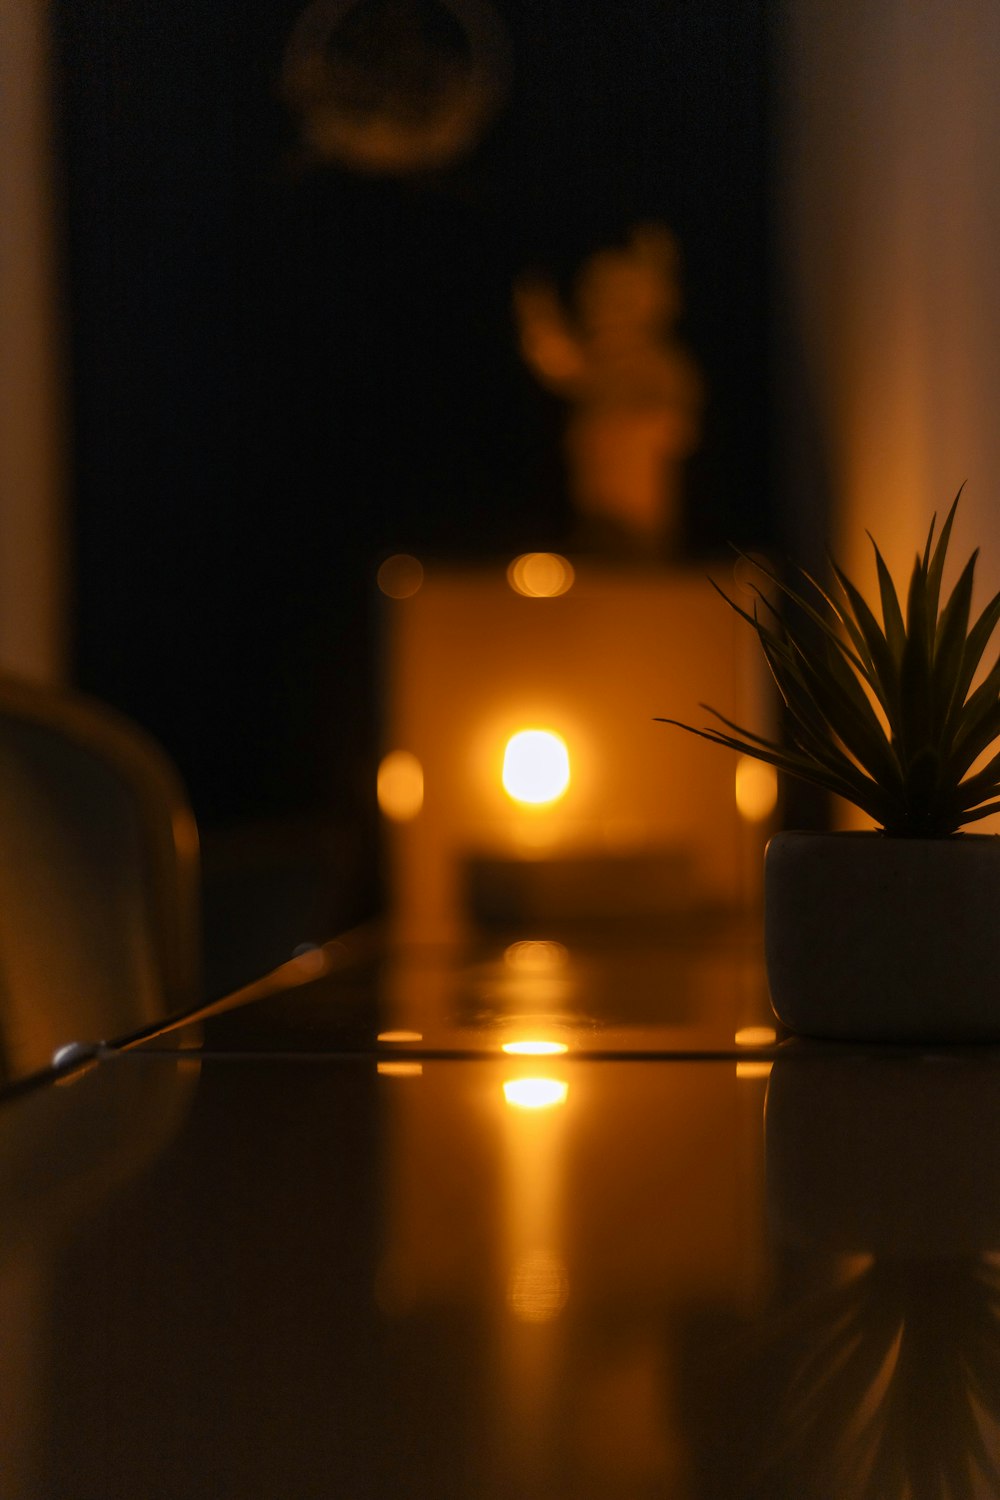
[636, 393]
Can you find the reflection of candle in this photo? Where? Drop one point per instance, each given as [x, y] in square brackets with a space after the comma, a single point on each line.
[753, 1069]
[531, 1347]
[534, 1049]
[538, 1287]
[534, 956]
[535, 1093]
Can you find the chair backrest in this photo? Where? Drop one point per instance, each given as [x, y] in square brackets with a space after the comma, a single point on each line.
[99, 878]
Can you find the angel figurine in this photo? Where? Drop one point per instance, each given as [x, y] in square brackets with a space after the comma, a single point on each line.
[636, 394]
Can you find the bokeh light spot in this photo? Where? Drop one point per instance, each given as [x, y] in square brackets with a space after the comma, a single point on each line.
[535, 766]
[400, 576]
[756, 1036]
[400, 786]
[540, 575]
[756, 789]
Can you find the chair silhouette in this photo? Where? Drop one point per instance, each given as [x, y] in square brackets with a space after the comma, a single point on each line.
[99, 878]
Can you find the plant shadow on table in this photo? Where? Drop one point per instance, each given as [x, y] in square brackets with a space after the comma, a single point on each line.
[875, 1374]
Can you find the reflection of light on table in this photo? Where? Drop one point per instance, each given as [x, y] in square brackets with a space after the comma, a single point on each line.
[752, 1068]
[531, 956]
[535, 1093]
[538, 1288]
[534, 1049]
[400, 1069]
[536, 982]
[522, 1225]
[537, 1281]
[756, 1036]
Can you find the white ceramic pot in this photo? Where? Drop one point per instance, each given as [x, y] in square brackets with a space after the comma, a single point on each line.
[872, 938]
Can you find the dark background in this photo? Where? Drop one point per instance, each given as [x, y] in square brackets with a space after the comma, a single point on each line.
[283, 370]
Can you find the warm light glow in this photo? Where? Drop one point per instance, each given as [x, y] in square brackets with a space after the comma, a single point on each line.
[540, 575]
[535, 1093]
[753, 1069]
[400, 576]
[535, 766]
[538, 1288]
[756, 1036]
[533, 957]
[400, 1069]
[534, 1049]
[756, 789]
[400, 786]
[400, 1036]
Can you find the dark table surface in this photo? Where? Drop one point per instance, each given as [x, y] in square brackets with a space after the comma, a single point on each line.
[329, 1238]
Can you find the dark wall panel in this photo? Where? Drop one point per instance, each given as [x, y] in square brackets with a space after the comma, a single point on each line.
[282, 370]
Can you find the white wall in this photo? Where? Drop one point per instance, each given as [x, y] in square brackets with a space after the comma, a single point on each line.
[890, 198]
[32, 533]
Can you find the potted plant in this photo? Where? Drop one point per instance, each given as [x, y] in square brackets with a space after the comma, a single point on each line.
[892, 934]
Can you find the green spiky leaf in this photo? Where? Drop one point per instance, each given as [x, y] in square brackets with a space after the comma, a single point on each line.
[882, 712]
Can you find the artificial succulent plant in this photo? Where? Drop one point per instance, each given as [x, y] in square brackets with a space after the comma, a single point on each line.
[885, 712]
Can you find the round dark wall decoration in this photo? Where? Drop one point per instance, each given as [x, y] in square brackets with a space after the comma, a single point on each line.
[395, 86]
